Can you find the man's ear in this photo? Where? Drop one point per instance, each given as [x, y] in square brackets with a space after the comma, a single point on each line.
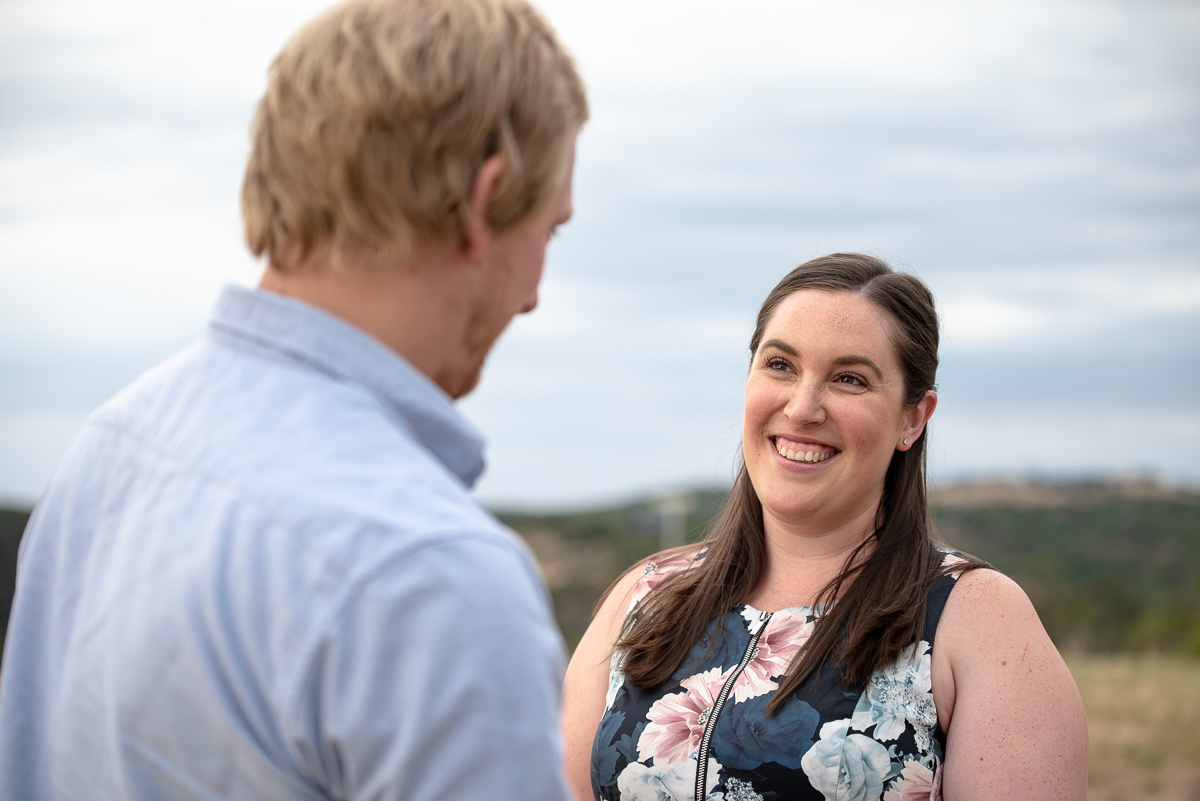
[477, 233]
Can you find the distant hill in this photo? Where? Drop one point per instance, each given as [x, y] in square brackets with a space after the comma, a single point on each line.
[1109, 566]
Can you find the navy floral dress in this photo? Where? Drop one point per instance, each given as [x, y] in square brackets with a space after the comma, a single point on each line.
[705, 732]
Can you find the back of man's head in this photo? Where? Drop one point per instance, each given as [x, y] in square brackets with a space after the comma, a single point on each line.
[379, 113]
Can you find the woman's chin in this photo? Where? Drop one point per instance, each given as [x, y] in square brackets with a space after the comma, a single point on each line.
[819, 511]
[793, 511]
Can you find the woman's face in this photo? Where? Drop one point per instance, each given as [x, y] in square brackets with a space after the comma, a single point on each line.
[825, 411]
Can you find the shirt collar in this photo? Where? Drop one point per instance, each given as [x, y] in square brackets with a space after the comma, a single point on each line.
[291, 330]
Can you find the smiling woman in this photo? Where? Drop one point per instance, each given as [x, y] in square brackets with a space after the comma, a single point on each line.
[825, 410]
[822, 643]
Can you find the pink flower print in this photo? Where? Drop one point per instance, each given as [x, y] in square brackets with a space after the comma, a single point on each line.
[916, 783]
[785, 635]
[677, 720]
[658, 569]
[950, 560]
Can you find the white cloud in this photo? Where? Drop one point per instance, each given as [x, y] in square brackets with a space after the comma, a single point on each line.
[181, 53]
[107, 283]
[672, 43]
[1069, 308]
[1036, 163]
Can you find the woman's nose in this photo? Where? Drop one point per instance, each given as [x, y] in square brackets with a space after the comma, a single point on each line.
[807, 403]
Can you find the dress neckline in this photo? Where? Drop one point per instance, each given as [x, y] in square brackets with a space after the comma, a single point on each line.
[814, 608]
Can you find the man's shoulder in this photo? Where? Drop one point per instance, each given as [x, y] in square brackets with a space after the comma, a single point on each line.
[266, 426]
[296, 448]
[212, 389]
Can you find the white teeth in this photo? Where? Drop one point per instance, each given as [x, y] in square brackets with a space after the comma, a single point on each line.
[801, 456]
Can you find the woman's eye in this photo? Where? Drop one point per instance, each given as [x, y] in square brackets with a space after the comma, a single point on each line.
[851, 379]
[777, 364]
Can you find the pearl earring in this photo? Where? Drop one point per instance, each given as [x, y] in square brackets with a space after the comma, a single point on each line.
[905, 442]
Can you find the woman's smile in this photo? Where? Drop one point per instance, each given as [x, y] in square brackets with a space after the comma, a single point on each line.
[803, 451]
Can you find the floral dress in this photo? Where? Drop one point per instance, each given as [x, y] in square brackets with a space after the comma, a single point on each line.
[705, 732]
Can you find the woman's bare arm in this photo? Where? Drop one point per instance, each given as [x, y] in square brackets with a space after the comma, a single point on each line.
[586, 684]
[1013, 716]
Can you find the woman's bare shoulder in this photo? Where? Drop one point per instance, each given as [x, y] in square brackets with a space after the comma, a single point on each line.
[640, 579]
[986, 595]
[619, 596]
[986, 613]
[587, 678]
[987, 589]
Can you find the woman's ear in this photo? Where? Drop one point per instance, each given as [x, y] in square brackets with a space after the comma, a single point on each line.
[476, 232]
[915, 420]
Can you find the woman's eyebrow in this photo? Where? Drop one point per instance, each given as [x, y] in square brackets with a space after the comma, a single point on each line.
[779, 344]
[847, 361]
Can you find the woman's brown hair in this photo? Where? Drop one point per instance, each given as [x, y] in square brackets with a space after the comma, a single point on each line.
[881, 599]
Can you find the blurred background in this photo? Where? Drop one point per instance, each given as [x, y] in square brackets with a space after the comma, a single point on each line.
[1036, 162]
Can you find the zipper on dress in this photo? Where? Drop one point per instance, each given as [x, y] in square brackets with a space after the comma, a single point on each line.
[706, 740]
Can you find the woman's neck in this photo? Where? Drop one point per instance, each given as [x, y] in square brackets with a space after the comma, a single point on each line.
[802, 560]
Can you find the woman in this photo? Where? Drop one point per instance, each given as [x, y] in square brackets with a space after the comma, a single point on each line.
[793, 654]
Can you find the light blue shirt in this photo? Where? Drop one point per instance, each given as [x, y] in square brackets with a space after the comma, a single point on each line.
[257, 574]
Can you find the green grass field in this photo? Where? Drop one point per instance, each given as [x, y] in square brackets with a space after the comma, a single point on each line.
[1144, 726]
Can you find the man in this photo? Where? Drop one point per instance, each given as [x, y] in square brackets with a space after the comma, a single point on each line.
[258, 573]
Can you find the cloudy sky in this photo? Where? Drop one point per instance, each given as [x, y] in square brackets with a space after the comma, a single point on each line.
[1037, 162]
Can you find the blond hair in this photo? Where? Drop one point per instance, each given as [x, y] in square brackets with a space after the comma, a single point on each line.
[378, 115]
